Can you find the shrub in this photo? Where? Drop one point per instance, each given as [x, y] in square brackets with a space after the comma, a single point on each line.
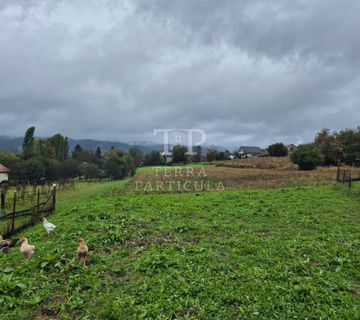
[153, 158]
[70, 169]
[278, 150]
[91, 171]
[52, 169]
[117, 165]
[7, 158]
[211, 154]
[307, 157]
[34, 169]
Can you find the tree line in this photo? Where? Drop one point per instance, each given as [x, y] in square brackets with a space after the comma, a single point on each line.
[179, 155]
[327, 148]
[50, 159]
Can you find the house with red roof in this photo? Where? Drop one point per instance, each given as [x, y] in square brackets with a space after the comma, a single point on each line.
[4, 173]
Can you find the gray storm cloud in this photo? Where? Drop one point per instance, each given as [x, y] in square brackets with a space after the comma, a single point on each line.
[246, 72]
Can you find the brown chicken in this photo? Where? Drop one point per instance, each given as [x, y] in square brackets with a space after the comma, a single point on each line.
[82, 251]
[26, 249]
[5, 245]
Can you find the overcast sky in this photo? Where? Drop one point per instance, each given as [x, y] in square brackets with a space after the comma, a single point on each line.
[246, 72]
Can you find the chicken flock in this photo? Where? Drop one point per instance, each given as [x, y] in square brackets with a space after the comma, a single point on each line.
[27, 250]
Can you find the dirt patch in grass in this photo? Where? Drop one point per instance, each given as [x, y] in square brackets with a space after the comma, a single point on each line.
[355, 291]
[146, 241]
[142, 242]
[45, 317]
[48, 312]
[191, 241]
[186, 313]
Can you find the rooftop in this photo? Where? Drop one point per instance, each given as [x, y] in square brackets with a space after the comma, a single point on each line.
[3, 169]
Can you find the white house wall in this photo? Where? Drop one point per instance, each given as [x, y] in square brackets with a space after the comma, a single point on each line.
[4, 177]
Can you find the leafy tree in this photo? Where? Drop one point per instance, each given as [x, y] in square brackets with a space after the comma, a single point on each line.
[80, 155]
[330, 147]
[38, 149]
[70, 169]
[349, 140]
[49, 149]
[179, 154]
[34, 170]
[49, 158]
[153, 158]
[91, 171]
[61, 146]
[116, 168]
[137, 155]
[77, 154]
[44, 148]
[89, 156]
[53, 169]
[112, 168]
[211, 154]
[343, 145]
[307, 157]
[223, 155]
[278, 150]
[98, 153]
[7, 158]
[28, 143]
[116, 164]
[198, 155]
[17, 168]
[113, 152]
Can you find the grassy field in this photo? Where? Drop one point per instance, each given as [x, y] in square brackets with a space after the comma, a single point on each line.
[224, 176]
[78, 190]
[284, 253]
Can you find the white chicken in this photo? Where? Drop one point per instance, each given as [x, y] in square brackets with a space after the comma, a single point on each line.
[49, 227]
[26, 249]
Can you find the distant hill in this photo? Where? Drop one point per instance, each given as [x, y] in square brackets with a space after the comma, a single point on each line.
[10, 144]
[106, 145]
[14, 145]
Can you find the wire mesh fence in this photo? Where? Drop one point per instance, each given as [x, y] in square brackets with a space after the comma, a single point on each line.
[23, 206]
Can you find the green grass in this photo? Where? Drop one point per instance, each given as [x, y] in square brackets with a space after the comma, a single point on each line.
[65, 197]
[257, 254]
